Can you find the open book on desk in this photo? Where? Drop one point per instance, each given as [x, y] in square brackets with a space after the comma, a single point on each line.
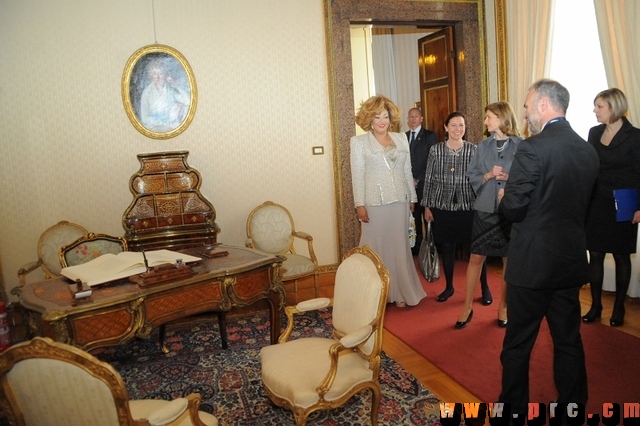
[110, 267]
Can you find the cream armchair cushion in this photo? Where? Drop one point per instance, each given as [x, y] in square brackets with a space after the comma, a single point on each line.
[89, 247]
[318, 373]
[270, 228]
[49, 383]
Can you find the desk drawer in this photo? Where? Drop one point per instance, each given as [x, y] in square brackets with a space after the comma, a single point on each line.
[250, 287]
[103, 328]
[184, 301]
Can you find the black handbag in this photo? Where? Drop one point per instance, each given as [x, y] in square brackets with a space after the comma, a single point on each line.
[428, 257]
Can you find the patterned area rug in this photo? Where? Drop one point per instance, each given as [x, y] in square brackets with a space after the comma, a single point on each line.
[229, 380]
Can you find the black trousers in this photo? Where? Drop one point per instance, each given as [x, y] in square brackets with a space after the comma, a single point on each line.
[527, 308]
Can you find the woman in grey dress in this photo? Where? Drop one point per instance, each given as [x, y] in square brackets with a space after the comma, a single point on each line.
[384, 195]
[487, 173]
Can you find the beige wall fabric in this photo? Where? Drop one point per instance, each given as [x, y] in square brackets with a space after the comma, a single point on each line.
[68, 148]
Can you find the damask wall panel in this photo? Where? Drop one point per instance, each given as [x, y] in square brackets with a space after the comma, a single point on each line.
[67, 148]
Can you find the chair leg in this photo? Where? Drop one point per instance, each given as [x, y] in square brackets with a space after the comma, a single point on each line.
[375, 405]
[222, 324]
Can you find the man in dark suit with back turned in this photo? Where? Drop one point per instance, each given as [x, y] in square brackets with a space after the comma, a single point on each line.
[546, 197]
[420, 142]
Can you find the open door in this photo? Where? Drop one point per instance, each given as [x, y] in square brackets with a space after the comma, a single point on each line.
[438, 96]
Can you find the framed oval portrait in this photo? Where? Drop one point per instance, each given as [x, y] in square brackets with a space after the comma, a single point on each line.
[159, 91]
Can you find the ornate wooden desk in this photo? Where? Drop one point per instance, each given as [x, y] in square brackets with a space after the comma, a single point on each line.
[122, 310]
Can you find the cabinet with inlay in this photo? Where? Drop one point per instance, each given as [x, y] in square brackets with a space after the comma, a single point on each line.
[168, 210]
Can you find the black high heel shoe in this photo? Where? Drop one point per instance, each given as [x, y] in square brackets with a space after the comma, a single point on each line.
[617, 318]
[592, 315]
[502, 323]
[463, 324]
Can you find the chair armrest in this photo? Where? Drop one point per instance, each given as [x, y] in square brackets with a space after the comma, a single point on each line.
[177, 411]
[27, 269]
[169, 412]
[248, 243]
[347, 342]
[307, 305]
[303, 235]
[309, 238]
[313, 304]
[357, 337]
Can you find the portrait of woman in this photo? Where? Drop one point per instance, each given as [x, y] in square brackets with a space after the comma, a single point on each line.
[159, 91]
[165, 99]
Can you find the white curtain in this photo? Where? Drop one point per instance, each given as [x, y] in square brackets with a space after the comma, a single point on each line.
[620, 41]
[529, 35]
[383, 59]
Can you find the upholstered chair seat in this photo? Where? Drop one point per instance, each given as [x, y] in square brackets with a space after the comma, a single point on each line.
[320, 373]
[297, 265]
[282, 366]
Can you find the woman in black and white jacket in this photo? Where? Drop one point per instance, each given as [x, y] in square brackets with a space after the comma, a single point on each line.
[448, 196]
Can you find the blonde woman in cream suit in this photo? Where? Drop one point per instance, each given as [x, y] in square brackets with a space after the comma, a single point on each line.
[385, 196]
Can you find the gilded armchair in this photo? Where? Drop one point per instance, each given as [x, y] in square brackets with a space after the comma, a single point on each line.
[54, 237]
[311, 374]
[270, 228]
[47, 383]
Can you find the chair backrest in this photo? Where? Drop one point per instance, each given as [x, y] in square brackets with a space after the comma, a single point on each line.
[360, 296]
[49, 383]
[89, 247]
[270, 227]
[58, 235]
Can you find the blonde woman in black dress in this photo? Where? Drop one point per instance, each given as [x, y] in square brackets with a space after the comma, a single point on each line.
[618, 145]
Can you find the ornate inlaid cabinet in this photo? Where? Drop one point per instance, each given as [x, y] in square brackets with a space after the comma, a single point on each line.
[168, 210]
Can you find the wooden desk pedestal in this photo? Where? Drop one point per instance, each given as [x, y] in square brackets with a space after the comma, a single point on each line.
[123, 310]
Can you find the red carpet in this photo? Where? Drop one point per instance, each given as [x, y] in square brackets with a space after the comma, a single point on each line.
[471, 356]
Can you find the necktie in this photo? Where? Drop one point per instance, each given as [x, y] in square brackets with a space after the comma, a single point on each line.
[413, 138]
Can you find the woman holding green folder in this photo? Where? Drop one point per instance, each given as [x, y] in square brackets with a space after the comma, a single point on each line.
[618, 145]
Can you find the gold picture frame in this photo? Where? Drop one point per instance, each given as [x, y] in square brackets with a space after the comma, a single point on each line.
[159, 91]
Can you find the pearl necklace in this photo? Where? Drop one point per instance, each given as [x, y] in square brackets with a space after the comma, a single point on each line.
[504, 145]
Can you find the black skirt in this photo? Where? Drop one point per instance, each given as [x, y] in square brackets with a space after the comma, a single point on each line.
[490, 234]
[604, 234]
[452, 226]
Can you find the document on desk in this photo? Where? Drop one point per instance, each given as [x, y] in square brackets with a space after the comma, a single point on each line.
[110, 267]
